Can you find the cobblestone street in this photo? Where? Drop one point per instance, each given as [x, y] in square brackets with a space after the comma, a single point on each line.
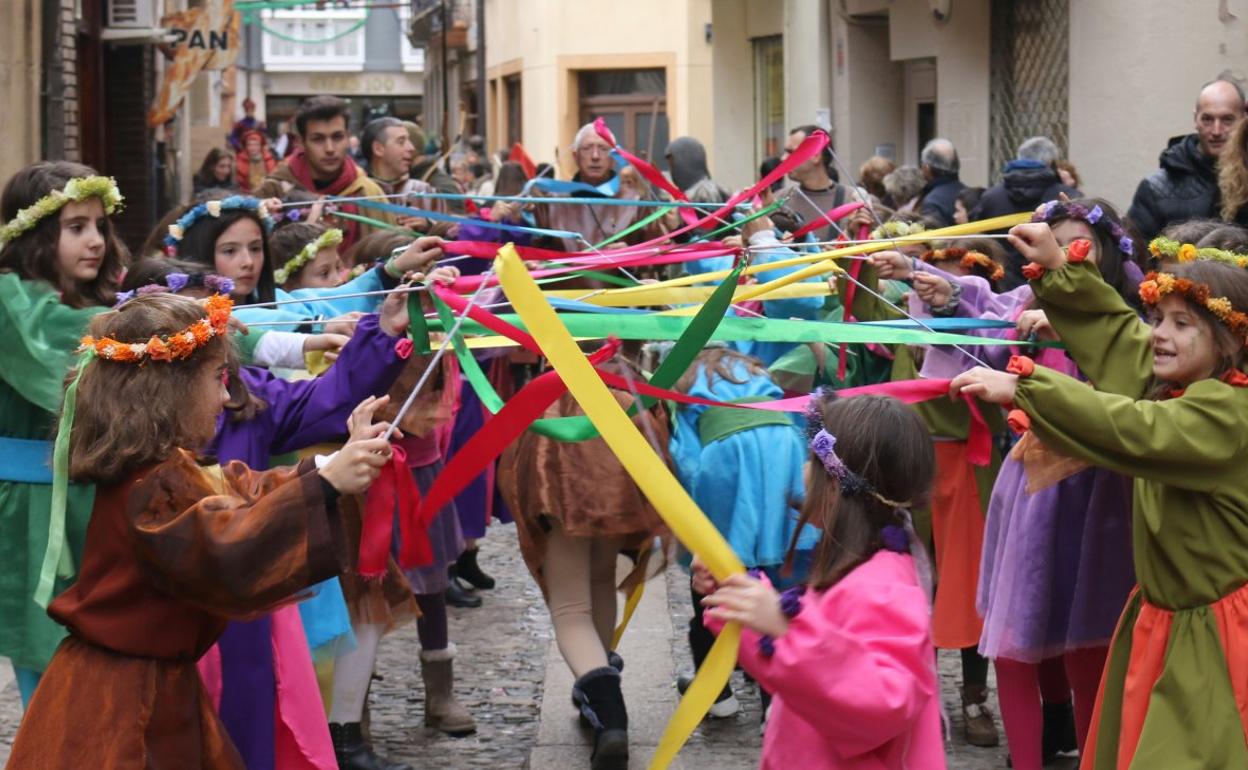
[511, 677]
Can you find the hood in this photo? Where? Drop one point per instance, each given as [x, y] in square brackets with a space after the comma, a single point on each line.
[1027, 186]
[687, 162]
[1184, 156]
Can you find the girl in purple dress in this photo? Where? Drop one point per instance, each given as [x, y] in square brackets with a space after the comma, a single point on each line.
[1056, 567]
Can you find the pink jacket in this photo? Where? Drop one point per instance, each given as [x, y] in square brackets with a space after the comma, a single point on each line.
[854, 677]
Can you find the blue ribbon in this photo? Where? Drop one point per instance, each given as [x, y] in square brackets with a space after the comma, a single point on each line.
[411, 212]
[26, 461]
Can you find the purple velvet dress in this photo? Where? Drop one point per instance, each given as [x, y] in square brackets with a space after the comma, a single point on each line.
[297, 414]
[1056, 568]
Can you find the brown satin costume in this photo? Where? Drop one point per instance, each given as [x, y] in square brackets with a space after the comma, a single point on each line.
[170, 556]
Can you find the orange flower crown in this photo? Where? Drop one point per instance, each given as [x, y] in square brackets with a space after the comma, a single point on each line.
[1158, 285]
[968, 259]
[172, 347]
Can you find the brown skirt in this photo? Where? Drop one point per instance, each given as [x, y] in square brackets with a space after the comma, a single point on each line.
[98, 709]
[580, 484]
[387, 602]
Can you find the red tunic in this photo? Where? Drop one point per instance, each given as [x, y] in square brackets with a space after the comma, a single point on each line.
[172, 553]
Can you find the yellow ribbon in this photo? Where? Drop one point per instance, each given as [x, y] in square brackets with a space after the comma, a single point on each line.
[825, 257]
[650, 474]
[681, 295]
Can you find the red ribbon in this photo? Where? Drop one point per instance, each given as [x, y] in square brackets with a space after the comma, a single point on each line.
[840, 212]
[647, 170]
[520, 156]
[528, 404]
[395, 487]
[851, 288]
[979, 440]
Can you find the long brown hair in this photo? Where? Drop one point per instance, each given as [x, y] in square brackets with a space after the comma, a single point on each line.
[33, 254]
[888, 445]
[130, 415]
[1233, 173]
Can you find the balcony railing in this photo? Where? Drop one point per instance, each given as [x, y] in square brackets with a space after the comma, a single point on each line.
[338, 36]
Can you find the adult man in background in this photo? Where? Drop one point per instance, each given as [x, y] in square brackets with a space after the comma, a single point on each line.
[940, 166]
[1186, 185]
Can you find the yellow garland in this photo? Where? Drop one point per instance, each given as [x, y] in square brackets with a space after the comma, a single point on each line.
[77, 189]
[328, 239]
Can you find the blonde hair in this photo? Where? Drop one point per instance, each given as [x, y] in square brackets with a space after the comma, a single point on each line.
[1233, 173]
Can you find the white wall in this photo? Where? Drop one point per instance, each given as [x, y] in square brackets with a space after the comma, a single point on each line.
[732, 81]
[1135, 71]
[867, 90]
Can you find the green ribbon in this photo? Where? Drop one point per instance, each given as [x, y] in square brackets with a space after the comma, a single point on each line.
[733, 328]
[579, 428]
[417, 326]
[57, 561]
[634, 227]
[372, 222]
[712, 235]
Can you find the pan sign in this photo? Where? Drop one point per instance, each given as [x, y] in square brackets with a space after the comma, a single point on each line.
[212, 40]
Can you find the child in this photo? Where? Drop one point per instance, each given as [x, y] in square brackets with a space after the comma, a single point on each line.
[848, 658]
[576, 511]
[718, 453]
[172, 550]
[306, 257]
[1056, 569]
[1174, 685]
[59, 266]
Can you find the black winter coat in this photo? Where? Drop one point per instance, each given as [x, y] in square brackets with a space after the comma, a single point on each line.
[1020, 189]
[1185, 187]
[938, 198]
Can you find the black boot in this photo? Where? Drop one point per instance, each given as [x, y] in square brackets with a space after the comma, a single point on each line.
[354, 753]
[468, 569]
[458, 596]
[1058, 734]
[598, 696]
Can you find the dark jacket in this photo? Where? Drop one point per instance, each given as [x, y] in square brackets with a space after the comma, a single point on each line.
[1185, 187]
[938, 198]
[1025, 185]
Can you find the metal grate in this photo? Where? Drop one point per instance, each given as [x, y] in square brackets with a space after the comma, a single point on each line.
[1030, 75]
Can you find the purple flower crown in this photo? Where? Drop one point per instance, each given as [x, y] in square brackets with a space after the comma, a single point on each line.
[176, 282]
[1094, 216]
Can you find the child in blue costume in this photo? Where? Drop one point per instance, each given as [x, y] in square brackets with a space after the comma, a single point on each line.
[744, 468]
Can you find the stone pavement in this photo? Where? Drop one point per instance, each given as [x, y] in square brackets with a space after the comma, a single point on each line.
[510, 674]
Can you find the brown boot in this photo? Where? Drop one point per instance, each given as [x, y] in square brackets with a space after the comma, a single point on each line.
[442, 711]
[981, 730]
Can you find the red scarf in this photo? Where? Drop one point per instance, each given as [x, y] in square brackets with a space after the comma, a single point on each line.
[297, 163]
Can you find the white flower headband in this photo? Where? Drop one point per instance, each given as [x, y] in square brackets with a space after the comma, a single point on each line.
[77, 189]
[177, 230]
[326, 240]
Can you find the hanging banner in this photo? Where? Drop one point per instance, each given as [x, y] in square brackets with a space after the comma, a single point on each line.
[207, 37]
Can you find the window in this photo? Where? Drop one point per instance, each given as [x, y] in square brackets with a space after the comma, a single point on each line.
[633, 104]
[769, 130]
[514, 129]
[330, 40]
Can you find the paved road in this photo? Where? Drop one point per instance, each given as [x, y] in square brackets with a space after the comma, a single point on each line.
[511, 676]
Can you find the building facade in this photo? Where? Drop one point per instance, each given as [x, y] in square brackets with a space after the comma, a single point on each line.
[643, 66]
[1109, 80]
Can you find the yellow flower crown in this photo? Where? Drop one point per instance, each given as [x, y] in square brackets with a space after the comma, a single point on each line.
[1168, 248]
[172, 347]
[897, 229]
[1158, 285]
[328, 239]
[77, 189]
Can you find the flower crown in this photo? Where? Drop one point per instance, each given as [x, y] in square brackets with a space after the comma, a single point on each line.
[176, 282]
[328, 239]
[1095, 216]
[1168, 248]
[171, 347]
[76, 189]
[177, 230]
[897, 229]
[1158, 285]
[968, 259]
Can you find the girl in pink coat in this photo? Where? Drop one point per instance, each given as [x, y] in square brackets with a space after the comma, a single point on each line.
[848, 656]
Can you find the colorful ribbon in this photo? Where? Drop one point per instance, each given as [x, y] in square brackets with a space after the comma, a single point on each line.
[650, 474]
[395, 487]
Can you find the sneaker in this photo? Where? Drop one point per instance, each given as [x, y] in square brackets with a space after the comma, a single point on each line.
[725, 706]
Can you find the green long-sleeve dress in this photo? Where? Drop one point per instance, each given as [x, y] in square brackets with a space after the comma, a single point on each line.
[1175, 691]
[38, 337]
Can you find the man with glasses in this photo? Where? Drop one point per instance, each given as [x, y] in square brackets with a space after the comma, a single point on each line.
[596, 223]
[1186, 185]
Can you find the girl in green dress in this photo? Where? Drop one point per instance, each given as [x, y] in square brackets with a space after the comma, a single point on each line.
[1175, 689]
[60, 264]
